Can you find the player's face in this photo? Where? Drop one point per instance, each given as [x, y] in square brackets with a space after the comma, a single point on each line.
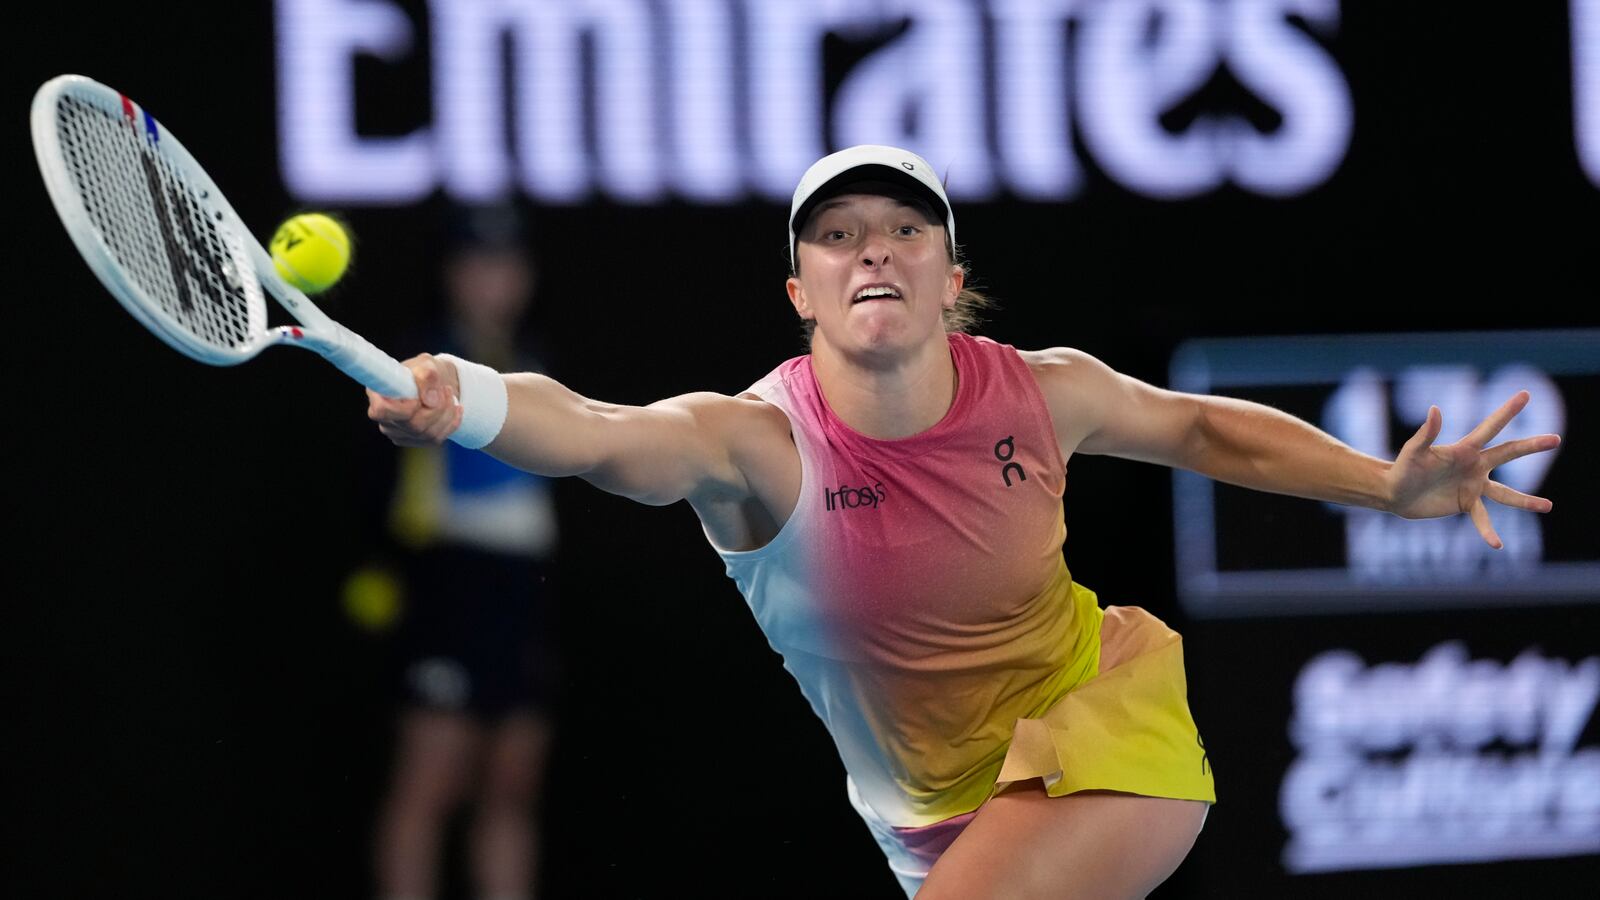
[874, 273]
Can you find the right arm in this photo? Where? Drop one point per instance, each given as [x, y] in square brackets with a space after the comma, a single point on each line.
[681, 447]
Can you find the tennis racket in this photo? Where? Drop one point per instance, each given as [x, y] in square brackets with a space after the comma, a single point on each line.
[165, 242]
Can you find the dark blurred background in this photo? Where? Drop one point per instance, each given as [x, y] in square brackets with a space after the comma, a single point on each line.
[189, 711]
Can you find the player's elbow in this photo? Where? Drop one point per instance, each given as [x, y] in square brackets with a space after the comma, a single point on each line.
[1190, 435]
[1216, 445]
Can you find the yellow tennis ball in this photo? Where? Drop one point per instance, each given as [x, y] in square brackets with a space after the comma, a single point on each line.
[311, 251]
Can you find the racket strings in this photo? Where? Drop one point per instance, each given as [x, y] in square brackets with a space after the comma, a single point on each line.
[158, 227]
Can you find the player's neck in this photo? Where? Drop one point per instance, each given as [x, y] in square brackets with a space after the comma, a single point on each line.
[888, 402]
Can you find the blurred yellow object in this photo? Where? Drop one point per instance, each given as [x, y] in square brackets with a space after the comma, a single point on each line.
[372, 598]
[419, 501]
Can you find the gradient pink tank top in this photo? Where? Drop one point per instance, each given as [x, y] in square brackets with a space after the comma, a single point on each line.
[918, 592]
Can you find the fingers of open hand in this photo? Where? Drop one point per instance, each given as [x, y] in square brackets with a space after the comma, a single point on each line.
[1497, 420]
[1501, 454]
[1426, 433]
[1480, 518]
[1499, 493]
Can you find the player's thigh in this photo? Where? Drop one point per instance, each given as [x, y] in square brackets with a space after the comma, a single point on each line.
[1092, 844]
[436, 757]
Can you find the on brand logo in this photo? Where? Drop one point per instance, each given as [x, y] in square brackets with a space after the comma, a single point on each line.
[1003, 451]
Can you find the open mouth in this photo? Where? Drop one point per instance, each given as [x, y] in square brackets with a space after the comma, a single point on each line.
[875, 292]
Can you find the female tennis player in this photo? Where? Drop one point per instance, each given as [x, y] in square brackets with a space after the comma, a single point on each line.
[890, 505]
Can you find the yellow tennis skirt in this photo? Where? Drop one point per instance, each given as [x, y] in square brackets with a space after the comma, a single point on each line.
[1126, 729]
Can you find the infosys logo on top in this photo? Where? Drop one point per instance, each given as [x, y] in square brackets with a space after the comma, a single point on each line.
[717, 101]
[847, 497]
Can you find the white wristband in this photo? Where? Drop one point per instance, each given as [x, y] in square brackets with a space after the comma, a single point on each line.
[484, 402]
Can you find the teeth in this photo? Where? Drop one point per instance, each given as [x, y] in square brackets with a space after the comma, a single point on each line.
[877, 292]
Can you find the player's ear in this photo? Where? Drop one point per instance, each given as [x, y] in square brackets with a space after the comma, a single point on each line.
[958, 280]
[797, 297]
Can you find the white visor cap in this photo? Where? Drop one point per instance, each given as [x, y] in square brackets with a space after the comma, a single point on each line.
[866, 162]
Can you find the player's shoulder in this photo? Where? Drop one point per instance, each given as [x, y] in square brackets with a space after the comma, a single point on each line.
[757, 418]
[1060, 363]
[1078, 389]
[716, 405]
[1071, 379]
[742, 415]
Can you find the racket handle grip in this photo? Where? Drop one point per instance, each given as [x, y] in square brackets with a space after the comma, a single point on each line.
[357, 357]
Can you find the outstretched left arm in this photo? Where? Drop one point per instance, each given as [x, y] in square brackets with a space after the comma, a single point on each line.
[1100, 411]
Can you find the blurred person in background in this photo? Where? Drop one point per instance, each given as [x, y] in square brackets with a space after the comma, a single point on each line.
[477, 668]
